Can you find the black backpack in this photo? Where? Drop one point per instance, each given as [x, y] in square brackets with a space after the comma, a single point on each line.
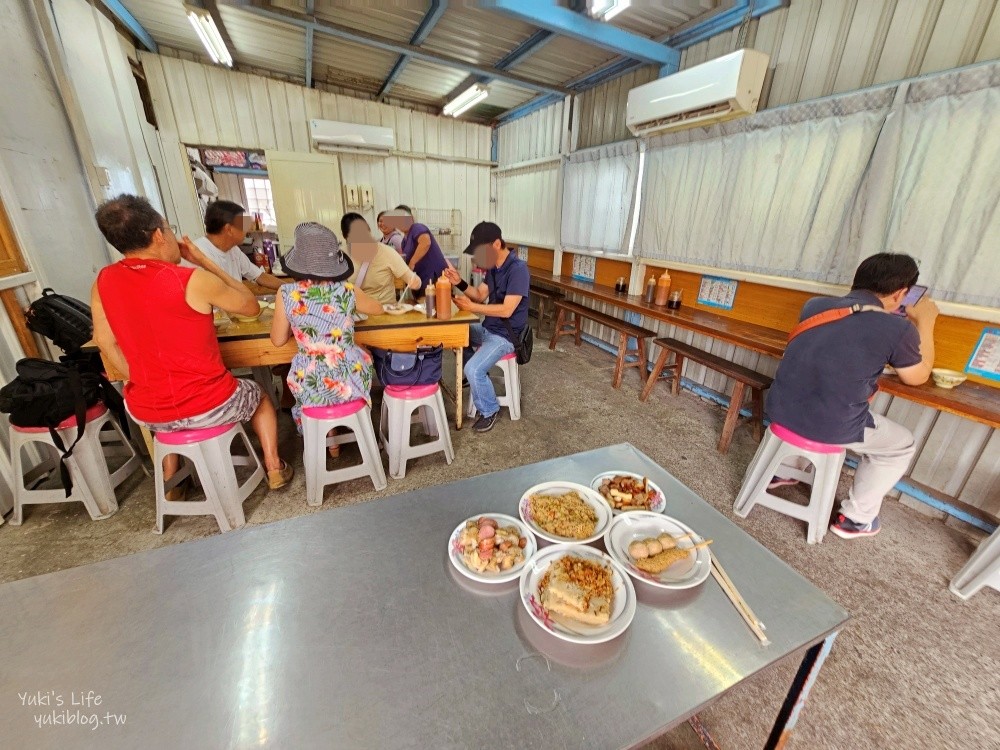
[45, 393]
[64, 320]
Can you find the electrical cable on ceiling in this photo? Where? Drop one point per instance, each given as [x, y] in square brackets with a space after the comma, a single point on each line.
[744, 27]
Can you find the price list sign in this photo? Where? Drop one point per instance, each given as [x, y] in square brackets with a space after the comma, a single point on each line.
[985, 359]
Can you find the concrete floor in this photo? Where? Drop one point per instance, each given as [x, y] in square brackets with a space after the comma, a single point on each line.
[915, 668]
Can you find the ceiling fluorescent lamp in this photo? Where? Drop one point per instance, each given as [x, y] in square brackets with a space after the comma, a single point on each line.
[466, 100]
[211, 39]
[607, 9]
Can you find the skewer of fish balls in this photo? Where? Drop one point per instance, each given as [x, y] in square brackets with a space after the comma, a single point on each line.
[641, 549]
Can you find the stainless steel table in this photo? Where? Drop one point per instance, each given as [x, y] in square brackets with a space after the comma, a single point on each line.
[349, 629]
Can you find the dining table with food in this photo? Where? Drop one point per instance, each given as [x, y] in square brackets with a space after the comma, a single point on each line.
[580, 617]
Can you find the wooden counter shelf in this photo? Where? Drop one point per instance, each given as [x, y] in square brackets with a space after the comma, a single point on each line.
[980, 403]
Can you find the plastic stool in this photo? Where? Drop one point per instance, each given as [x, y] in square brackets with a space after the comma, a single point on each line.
[93, 484]
[780, 443]
[317, 422]
[399, 404]
[208, 453]
[982, 569]
[511, 386]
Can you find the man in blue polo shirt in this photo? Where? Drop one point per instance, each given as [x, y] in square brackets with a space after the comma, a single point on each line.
[830, 371]
[503, 301]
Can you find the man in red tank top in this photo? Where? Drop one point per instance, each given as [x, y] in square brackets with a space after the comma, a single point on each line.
[153, 320]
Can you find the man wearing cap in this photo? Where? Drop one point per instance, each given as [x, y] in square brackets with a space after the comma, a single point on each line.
[502, 300]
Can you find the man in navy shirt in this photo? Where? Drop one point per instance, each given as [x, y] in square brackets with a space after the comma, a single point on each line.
[503, 301]
[421, 250]
[829, 373]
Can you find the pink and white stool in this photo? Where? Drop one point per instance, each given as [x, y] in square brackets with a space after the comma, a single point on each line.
[511, 386]
[317, 424]
[207, 455]
[778, 445]
[93, 483]
[400, 407]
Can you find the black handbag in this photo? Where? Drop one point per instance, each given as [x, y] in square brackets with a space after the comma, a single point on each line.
[523, 344]
[422, 367]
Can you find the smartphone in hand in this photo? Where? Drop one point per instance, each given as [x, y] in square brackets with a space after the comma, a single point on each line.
[912, 297]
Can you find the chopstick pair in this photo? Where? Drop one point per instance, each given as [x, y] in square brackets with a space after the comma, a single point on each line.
[729, 589]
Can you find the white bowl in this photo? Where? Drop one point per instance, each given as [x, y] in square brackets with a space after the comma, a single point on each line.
[455, 552]
[591, 498]
[659, 501]
[947, 378]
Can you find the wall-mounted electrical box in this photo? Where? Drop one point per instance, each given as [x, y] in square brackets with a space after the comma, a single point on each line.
[351, 195]
[366, 195]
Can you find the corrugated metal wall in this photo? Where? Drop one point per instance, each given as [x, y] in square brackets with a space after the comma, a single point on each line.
[532, 137]
[208, 106]
[823, 47]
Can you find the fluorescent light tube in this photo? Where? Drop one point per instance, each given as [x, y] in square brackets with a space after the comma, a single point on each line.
[466, 100]
[211, 39]
[607, 9]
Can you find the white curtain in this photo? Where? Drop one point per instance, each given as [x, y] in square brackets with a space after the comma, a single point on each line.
[809, 190]
[770, 196]
[527, 207]
[598, 190]
[943, 204]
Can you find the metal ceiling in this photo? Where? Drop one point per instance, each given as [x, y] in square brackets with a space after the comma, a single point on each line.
[418, 51]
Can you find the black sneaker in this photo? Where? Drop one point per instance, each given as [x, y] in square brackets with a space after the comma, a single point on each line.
[465, 382]
[485, 424]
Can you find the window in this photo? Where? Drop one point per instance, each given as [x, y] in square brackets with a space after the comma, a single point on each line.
[259, 200]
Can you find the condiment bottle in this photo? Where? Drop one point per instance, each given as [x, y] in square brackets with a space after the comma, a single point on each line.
[651, 289]
[443, 293]
[620, 285]
[662, 289]
[674, 302]
[260, 260]
[430, 299]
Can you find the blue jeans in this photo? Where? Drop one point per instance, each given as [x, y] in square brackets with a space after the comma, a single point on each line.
[489, 349]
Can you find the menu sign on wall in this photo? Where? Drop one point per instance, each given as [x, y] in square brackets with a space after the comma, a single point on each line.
[985, 359]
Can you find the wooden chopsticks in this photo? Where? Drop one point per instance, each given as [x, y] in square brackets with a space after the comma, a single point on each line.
[726, 584]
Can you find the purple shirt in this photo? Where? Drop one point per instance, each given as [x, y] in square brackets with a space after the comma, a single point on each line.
[432, 265]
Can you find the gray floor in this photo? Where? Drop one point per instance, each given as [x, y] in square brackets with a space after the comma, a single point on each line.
[915, 668]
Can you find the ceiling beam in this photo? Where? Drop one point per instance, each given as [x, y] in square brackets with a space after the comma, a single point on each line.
[371, 40]
[310, 8]
[548, 14]
[427, 24]
[126, 19]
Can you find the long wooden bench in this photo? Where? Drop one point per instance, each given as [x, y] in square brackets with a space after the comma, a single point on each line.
[625, 330]
[546, 299]
[744, 377]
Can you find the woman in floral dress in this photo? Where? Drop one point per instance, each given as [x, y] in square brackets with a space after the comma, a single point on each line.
[319, 310]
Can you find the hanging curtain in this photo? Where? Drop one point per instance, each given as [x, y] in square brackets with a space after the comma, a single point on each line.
[527, 207]
[771, 193]
[598, 190]
[945, 191]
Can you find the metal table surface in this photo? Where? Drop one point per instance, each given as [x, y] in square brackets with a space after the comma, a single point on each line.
[349, 628]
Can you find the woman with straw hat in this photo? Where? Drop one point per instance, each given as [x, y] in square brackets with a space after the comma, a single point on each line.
[319, 310]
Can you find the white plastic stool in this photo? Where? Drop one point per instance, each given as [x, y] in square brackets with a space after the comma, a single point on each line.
[208, 453]
[779, 444]
[399, 404]
[982, 569]
[93, 484]
[512, 388]
[317, 422]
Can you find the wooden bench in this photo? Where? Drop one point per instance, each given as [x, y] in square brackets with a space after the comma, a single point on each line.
[743, 376]
[546, 299]
[625, 330]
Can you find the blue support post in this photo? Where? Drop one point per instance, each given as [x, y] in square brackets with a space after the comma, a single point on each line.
[129, 21]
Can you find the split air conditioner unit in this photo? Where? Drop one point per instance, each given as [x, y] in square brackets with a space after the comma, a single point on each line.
[333, 137]
[718, 90]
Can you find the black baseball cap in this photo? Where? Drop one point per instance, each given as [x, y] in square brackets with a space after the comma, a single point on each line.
[484, 233]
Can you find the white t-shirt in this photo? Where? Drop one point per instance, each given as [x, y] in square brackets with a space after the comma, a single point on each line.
[234, 262]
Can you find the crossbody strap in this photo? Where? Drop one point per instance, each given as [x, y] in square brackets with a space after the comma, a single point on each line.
[831, 316]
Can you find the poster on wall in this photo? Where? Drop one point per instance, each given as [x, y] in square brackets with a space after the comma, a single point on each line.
[233, 159]
[716, 291]
[985, 359]
[584, 267]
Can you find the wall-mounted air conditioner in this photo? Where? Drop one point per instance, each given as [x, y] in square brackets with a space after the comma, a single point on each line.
[720, 89]
[332, 137]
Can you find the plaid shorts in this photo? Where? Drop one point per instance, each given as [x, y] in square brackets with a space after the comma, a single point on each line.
[237, 408]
